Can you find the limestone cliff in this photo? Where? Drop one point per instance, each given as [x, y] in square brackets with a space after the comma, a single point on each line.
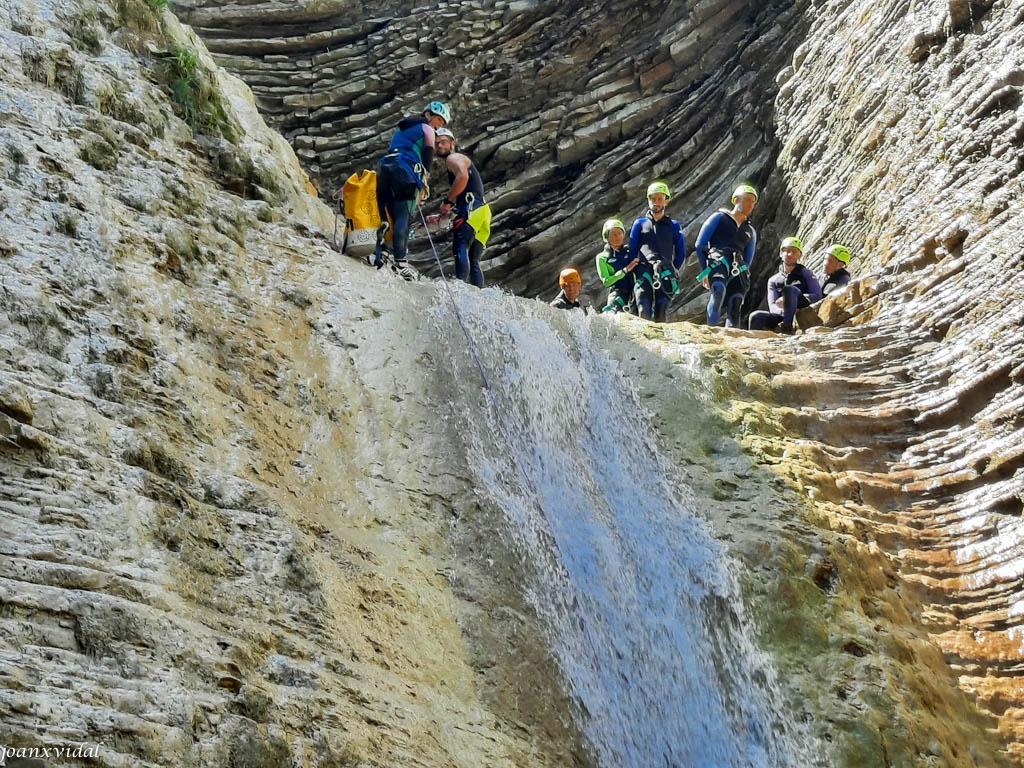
[235, 529]
[895, 127]
[222, 543]
[568, 108]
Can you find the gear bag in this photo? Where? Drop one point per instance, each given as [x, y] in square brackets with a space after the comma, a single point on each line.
[362, 219]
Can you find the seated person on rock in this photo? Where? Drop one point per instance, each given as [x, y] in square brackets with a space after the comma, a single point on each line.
[615, 267]
[793, 287]
[571, 284]
[836, 276]
[725, 248]
[658, 241]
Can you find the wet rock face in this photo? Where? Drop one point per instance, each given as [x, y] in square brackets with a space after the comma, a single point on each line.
[893, 127]
[569, 109]
[902, 134]
[190, 574]
[177, 582]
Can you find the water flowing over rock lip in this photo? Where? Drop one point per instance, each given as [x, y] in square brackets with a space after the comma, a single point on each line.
[909, 408]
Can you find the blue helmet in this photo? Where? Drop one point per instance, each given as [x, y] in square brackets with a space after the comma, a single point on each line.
[440, 109]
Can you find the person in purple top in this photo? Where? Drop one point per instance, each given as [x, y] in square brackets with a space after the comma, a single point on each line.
[793, 287]
[658, 241]
[725, 247]
[401, 173]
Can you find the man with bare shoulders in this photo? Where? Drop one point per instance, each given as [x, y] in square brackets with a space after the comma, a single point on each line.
[472, 225]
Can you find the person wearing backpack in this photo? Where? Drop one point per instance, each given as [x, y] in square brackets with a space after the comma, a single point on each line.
[401, 175]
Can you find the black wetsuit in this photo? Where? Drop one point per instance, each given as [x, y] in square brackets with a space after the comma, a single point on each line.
[561, 301]
[725, 250]
[466, 245]
[399, 178]
[832, 283]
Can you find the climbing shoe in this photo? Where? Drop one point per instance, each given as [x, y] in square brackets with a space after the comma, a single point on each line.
[405, 270]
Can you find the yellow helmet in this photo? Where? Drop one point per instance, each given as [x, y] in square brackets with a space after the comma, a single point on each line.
[792, 242]
[743, 189]
[610, 225]
[659, 187]
[841, 252]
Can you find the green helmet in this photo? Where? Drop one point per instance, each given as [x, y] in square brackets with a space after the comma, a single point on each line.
[743, 189]
[792, 242]
[609, 226]
[440, 109]
[841, 252]
[659, 186]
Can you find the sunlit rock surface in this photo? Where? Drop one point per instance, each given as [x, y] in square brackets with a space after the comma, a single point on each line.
[894, 127]
[225, 541]
[193, 385]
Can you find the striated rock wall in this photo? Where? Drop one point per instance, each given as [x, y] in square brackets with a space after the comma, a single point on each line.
[225, 506]
[893, 127]
[569, 109]
[902, 129]
[184, 361]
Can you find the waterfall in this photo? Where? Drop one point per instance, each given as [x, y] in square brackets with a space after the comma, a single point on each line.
[644, 612]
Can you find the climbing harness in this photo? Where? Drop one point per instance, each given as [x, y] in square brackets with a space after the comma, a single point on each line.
[734, 267]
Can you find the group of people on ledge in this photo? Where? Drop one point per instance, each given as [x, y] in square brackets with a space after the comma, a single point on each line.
[641, 270]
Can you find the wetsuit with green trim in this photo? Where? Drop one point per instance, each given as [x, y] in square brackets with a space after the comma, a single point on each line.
[399, 178]
[471, 229]
[725, 250]
[661, 247]
[611, 267]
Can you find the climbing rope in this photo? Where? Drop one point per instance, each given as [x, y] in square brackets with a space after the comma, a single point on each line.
[520, 464]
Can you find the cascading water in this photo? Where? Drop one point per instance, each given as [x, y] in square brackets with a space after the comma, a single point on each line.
[644, 614]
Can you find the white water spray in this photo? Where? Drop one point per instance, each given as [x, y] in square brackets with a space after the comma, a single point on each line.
[645, 617]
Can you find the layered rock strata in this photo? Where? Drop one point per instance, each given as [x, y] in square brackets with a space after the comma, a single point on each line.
[171, 584]
[568, 109]
[219, 547]
[902, 132]
[899, 131]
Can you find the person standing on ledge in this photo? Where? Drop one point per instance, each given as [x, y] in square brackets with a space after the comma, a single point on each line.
[836, 275]
[725, 247]
[571, 284]
[615, 267]
[793, 287]
[401, 174]
[472, 224]
[658, 241]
